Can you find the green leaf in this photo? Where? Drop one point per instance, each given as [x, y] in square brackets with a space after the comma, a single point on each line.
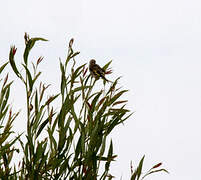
[77, 72]
[155, 171]
[6, 98]
[52, 98]
[42, 127]
[119, 102]
[80, 88]
[12, 62]
[86, 80]
[116, 96]
[30, 45]
[110, 153]
[107, 65]
[78, 147]
[93, 104]
[36, 102]
[29, 78]
[3, 113]
[139, 169]
[63, 79]
[36, 77]
[102, 150]
[75, 54]
[53, 142]
[30, 143]
[127, 116]
[134, 176]
[2, 67]
[112, 87]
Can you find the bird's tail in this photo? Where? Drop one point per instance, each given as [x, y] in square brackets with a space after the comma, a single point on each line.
[103, 77]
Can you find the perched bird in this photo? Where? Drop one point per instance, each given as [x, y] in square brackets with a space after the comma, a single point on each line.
[96, 71]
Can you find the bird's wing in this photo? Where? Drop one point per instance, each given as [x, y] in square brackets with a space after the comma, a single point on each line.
[98, 69]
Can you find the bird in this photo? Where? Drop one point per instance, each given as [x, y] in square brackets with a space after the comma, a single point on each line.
[96, 71]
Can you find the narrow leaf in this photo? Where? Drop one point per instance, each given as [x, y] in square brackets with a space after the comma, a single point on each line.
[29, 78]
[139, 169]
[29, 46]
[2, 67]
[107, 65]
[42, 127]
[12, 62]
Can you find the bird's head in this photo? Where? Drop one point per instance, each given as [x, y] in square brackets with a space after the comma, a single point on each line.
[92, 62]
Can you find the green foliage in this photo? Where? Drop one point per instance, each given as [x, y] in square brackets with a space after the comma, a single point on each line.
[6, 121]
[138, 175]
[72, 141]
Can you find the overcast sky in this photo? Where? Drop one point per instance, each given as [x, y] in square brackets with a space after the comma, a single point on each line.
[155, 45]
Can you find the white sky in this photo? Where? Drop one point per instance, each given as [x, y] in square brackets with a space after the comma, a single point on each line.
[155, 46]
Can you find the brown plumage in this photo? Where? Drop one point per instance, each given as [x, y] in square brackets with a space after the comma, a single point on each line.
[96, 71]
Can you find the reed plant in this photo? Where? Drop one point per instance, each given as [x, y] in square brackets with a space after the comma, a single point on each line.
[67, 134]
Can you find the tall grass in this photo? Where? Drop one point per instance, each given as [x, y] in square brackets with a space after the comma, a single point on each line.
[73, 141]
